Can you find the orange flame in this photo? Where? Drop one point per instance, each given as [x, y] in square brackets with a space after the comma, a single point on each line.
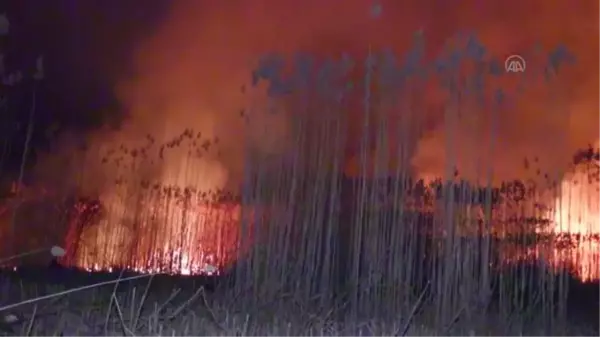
[169, 236]
[576, 216]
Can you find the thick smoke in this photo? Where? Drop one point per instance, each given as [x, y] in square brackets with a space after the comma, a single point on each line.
[190, 74]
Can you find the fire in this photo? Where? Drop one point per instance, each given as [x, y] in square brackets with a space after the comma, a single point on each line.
[174, 231]
[576, 219]
[583, 258]
[157, 204]
[576, 210]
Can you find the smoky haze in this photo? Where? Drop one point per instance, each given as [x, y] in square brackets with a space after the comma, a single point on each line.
[189, 75]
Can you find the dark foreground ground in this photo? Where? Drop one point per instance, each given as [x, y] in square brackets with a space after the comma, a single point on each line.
[196, 305]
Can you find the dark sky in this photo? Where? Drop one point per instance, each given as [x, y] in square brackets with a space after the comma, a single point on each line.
[85, 45]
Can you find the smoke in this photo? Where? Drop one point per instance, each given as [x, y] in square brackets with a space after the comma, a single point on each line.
[190, 74]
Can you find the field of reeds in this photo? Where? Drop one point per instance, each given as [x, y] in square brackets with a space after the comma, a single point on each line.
[71, 302]
[303, 247]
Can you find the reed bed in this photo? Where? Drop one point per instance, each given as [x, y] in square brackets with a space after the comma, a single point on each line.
[308, 247]
[155, 305]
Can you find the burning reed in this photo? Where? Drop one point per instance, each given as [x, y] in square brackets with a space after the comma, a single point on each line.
[339, 224]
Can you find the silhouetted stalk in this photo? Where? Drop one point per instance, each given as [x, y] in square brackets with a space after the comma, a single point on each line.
[29, 134]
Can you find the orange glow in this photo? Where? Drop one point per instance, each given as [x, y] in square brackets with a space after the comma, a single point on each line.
[181, 236]
[576, 226]
[581, 257]
[576, 211]
[188, 72]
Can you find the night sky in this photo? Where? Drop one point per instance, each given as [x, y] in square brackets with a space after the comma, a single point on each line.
[85, 45]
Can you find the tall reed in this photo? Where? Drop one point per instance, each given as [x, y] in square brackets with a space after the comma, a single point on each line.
[357, 238]
[358, 242]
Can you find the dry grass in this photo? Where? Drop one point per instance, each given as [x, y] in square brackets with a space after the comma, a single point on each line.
[150, 306]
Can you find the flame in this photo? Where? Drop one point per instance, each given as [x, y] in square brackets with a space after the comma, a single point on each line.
[581, 257]
[182, 235]
[576, 219]
[576, 210]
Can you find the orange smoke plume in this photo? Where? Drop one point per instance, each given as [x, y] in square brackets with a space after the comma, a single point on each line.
[190, 71]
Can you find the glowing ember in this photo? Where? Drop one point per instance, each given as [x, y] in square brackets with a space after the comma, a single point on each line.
[576, 219]
[583, 259]
[576, 211]
[168, 233]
